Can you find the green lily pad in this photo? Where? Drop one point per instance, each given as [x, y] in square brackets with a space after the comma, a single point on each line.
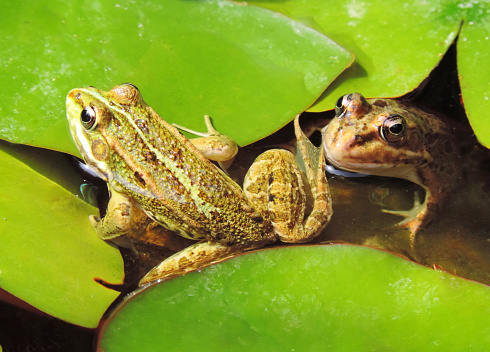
[250, 69]
[474, 72]
[397, 46]
[50, 255]
[313, 298]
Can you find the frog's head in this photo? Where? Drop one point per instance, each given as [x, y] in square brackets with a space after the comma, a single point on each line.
[375, 136]
[90, 112]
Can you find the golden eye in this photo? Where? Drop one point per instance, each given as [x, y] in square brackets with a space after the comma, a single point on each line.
[88, 117]
[394, 129]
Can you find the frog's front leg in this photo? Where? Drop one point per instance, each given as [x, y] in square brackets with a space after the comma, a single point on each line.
[213, 145]
[419, 216]
[118, 219]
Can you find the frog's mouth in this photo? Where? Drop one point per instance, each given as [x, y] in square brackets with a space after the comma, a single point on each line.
[346, 168]
[350, 168]
[333, 170]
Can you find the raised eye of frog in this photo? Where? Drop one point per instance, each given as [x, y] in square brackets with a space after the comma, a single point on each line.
[351, 104]
[387, 137]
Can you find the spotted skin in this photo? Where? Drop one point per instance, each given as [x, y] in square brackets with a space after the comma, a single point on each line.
[387, 137]
[148, 163]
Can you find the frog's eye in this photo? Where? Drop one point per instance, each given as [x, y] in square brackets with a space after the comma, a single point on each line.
[126, 94]
[394, 129]
[88, 117]
[131, 85]
[339, 106]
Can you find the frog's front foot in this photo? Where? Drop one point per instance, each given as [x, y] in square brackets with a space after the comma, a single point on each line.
[415, 218]
[213, 145]
[118, 219]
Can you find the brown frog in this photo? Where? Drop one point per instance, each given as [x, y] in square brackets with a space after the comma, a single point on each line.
[387, 137]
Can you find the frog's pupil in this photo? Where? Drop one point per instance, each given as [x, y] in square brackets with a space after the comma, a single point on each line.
[86, 116]
[396, 128]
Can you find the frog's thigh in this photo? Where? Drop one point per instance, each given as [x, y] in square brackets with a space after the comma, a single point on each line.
[118, 219]
[275, 188]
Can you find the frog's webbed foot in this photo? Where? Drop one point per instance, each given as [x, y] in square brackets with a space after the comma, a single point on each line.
[213, 145]
[415, 218]
[194, 257]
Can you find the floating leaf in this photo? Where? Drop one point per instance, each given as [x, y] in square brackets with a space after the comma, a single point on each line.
[315, 298]
[250, 69]
[474, 71]
[50, 255]
[397, 46]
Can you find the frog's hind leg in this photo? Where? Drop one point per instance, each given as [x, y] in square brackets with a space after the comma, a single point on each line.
[276, 188]
[192, 258]
[312, 160]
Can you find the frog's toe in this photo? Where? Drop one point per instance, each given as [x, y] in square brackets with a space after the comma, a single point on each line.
[213, 145]
[410, 223]
[409, 215]
[94, 220]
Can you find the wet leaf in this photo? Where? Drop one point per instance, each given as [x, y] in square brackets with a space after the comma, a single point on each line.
[50, 255]
[250, 69]
[397, 46]
[315, 298]
[474, 71]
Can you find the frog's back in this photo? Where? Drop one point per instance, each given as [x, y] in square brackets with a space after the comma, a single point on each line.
[176, 185]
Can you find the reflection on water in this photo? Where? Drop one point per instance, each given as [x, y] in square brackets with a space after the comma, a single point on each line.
[457, 241]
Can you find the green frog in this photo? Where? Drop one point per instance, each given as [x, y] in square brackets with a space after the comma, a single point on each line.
[387, 137]
[147, 163]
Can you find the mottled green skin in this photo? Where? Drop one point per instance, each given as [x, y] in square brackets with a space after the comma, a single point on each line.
[148, 160]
